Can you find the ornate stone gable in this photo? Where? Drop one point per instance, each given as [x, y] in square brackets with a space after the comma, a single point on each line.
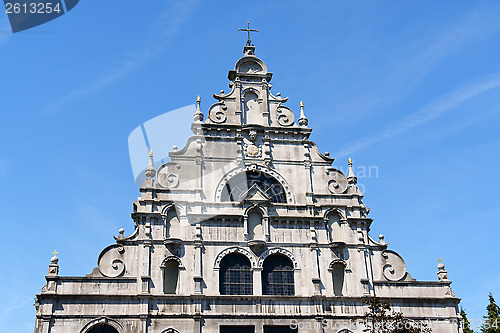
[248, 225]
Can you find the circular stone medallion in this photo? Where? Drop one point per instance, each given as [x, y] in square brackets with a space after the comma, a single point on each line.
[253, 150]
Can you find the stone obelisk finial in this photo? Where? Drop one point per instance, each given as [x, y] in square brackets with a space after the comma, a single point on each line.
[302, 119]
[351, 177]
[150, 171]
[198, 116]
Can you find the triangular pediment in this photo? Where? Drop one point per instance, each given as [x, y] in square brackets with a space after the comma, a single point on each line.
[255, 193]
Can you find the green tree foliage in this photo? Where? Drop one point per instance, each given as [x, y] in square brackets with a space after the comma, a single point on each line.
[380, 319]
[465, 322]
[492, 320]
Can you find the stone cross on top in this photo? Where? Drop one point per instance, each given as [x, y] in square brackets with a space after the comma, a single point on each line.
[248, 30]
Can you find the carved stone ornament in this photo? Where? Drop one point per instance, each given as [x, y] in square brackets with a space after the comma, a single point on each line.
[250, 256]
[249, 67]
[101, 321]
[337, 262]
[252, 150]
[338, 181]
[278, 250]
[285, 115]
[217, 113]
[168, 175]
[170, 330]
[172, 258]
[110, 262]
[394, 268]
[253, 135]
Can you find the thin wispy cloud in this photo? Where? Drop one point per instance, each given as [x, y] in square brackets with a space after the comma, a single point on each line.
[442, 105]
[17, 302]
[11, 306]
[167, 25]
[411, 63]
[437, 47]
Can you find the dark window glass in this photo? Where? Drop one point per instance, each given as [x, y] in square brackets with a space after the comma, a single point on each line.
[237, 186]
[237, 329]
[277, 276]
[235, 275]
[279, 329]
[103, 329]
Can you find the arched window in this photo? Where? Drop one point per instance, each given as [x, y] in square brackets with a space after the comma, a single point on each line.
[235, 275]
[170, 277]
[255, 227]
[237, 187]
[277, 276]
[338, 279]
[173, 227]
[102, 329]
[334, 229]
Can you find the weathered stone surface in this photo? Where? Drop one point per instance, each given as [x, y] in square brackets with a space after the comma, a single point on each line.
[287, 201]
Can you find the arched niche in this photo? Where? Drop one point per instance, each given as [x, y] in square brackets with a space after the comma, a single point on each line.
[337, 269]
[172, 223]
[255, 223]
[251, 108]
[170, 277]
[171, 267]
[334, 220]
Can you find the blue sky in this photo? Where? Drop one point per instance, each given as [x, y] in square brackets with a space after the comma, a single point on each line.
[411, 88]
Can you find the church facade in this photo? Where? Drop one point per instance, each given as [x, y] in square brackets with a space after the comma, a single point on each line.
[249, 228]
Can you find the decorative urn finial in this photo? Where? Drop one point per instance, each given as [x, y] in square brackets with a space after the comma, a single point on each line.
[351, 177]
[150, 171]
[302, 119]
[198, 116]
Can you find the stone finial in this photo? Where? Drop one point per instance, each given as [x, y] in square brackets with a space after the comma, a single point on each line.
[302, 119]
[198, 116]
[121, 231]
[150, 171]
[351, 177]
[381, 239]
[54, 266]
[442, 274]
